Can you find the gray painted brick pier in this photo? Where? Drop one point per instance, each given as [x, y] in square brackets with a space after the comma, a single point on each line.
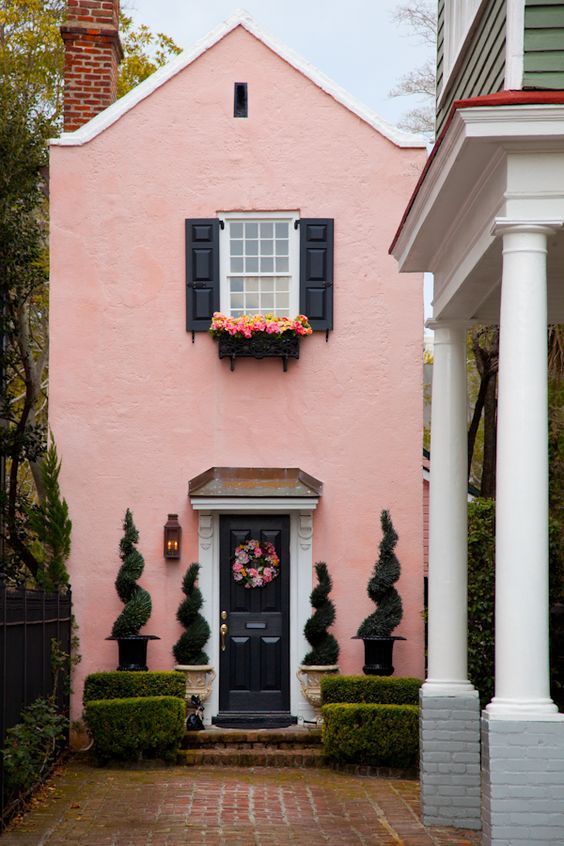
[523, 782]
[450, 760]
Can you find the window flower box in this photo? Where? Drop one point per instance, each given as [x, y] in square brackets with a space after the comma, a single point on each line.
[258, 336]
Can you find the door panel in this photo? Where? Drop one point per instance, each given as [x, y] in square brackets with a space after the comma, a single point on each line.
[255, 666]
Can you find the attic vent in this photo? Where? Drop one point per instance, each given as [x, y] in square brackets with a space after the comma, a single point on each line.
[240, 100]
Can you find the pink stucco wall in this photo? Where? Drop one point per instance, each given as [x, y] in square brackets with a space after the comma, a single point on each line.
[137, 409]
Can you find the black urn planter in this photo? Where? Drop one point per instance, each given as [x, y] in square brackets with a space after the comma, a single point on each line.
[378, 655]
[132, 651]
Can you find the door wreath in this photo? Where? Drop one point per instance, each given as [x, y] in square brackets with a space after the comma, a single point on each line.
[255, 564]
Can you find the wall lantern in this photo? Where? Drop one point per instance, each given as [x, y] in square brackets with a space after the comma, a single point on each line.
[172, 537]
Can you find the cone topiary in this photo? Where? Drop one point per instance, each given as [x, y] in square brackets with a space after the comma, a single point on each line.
[136, 599]
[188, 648]
[325, 649]
[381, 588]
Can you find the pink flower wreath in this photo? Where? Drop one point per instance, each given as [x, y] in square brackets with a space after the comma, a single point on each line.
[255, 564]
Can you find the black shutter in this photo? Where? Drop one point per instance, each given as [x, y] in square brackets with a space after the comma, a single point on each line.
[202, 272]
[316, 271]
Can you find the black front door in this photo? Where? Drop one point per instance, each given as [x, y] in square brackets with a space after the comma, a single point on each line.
[254, 663]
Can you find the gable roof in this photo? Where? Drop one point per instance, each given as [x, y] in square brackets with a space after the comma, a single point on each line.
[240, 18]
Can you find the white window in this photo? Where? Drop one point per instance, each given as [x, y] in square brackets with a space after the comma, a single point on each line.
[459, 17]
[259, 264]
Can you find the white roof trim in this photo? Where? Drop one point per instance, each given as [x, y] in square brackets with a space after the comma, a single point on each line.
[240, 18]
[533, 126]
[263, 504]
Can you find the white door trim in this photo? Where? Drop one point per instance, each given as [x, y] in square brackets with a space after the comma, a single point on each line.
[301, 511]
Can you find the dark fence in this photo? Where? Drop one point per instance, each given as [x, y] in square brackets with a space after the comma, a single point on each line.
[29, 621]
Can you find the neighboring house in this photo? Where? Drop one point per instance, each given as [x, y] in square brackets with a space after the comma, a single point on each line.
[487, 219]
[278, 192]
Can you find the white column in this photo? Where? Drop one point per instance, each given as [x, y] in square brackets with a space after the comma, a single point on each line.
[521, 615]
[447, 628]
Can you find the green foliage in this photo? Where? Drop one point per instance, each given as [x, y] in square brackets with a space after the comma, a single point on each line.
[144, 52]
[481, 598]
[128, 729]
[129, 685]
[189, 646]
[376, 690]
[381, 588]
[23, 280]
[556, 525]
[556, 485]
[32, 52]
[31, 88]
[136, 599]
[31, 745]
[51, 523]
[376, 735]
[481, 601]
[63, 663]
[325, 649]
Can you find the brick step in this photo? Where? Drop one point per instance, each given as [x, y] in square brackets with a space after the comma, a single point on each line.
[252, 757]
[298, 739]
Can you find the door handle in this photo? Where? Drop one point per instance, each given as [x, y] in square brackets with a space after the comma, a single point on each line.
[223, 631]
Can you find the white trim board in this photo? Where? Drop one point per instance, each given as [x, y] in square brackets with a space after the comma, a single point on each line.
[301, 566]
[240, 18]
[254, 504]
[515, 44]
[534, 127]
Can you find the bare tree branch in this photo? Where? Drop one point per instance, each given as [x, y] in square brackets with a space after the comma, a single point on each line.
[420, 17]
[419, 121]
[418, 81]
[556, 351]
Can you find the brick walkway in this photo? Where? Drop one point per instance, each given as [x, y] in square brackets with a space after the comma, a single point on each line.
[209, 806]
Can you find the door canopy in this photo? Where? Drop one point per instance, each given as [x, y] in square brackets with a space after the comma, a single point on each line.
[252, 482]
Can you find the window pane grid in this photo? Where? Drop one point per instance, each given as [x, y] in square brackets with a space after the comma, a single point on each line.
[259, 263]
[259, 275]
[260, 296]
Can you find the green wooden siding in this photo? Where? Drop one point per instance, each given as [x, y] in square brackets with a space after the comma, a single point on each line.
[440, 42]
[544, 44]
[483, 69]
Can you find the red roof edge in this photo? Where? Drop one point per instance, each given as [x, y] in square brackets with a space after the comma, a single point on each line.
[502, 98]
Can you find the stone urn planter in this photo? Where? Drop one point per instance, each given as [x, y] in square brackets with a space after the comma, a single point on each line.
[309, 676]
[199, 680]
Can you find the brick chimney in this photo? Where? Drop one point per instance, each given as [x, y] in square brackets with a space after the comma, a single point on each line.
[93, 52]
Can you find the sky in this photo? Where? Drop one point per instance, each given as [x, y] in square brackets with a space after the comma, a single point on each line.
[355, 42]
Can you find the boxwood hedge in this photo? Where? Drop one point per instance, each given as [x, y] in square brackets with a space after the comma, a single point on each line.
[126, 685]
[129, 729]
[375, 735]
[377, 690]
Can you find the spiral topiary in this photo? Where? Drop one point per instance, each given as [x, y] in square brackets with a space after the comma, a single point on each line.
[325, 649]
[136, 599]
[381, 588]
[188, 648]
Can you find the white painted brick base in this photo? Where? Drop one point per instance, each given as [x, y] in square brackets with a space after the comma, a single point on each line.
[523, 782]
[450, 760]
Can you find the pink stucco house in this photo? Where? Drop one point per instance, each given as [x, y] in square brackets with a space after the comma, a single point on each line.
[237, 178]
